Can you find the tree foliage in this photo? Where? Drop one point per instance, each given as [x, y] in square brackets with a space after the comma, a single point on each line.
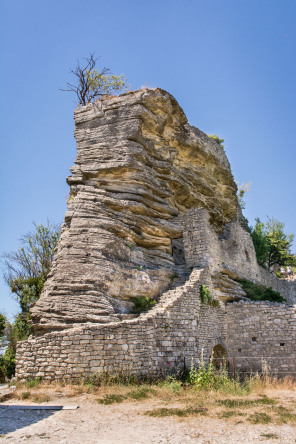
[272, 244]
[91, 84]
[28, 267]
[25, 273]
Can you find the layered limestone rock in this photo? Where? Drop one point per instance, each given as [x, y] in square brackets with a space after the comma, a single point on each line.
[139, 166]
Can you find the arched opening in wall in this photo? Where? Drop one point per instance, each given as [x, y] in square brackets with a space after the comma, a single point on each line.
[219, 356]
[178, 251]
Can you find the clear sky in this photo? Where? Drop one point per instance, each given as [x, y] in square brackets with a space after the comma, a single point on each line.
[229, 63]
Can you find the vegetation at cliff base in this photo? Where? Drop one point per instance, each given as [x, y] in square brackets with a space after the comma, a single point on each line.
[142, 303]
[25, 273]
[257, 292]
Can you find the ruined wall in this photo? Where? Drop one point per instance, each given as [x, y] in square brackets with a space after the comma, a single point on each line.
[157, 342]
[231, 253]
[262, 335]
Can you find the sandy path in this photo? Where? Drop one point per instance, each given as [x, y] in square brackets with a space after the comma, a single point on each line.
[126, 423]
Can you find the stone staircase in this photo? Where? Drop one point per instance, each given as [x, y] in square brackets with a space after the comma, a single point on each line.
[180, 283]
[180, 287]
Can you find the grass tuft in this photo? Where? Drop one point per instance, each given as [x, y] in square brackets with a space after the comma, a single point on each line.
[230, 413]
[189, 411]
[25, 395]
[111, 399]
[34, 382]
[141, 393]
[231, 403]
[260, 418]
[41, 397]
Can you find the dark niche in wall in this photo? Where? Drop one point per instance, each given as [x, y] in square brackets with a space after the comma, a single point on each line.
[178, 251]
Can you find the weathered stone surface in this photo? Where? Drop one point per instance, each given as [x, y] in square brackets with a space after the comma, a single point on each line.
[139, 165]
[152, 211]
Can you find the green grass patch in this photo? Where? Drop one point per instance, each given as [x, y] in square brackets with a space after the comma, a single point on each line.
[41, 398]
[141, 393]
[260, 418]
[230, 414]
[171, 383]
[232, 403]
[188, 411]
[25, 395]
[111, 399]
[269, 435]
[284, 416]
[34, 382]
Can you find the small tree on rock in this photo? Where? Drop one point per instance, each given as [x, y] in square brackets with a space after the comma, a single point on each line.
[92, 84]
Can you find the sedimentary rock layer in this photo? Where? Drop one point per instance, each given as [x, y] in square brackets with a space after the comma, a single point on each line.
[139, 166]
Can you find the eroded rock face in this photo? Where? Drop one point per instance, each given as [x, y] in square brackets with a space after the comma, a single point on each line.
[139, 166]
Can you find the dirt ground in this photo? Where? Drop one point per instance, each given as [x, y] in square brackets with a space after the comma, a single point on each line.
[128, 422]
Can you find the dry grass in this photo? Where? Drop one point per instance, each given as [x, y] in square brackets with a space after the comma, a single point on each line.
[257, 401]
[258, 382]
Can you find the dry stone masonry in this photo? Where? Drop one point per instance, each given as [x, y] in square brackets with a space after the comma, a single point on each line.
[152, 212]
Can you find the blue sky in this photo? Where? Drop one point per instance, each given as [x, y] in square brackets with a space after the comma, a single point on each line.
[229, 63]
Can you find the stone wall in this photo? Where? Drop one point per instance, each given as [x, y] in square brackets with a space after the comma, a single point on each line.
[261, 335]
[178, 328]
[231, 253]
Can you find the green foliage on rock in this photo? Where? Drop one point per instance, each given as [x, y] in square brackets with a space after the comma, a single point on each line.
[257, 292]
[272, 244]
[242, 190]
[217, 139]
[142, 303]
[206, 297]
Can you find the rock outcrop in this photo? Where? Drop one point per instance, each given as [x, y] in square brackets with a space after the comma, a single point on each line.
[139, 167]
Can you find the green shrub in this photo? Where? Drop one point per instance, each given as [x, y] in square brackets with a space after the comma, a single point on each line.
[257, 292]
[217, 139]
[7, 364]
[142, 303]
[207, 377]
[206, 297]
[33, 382]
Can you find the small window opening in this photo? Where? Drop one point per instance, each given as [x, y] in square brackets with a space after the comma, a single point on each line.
[178, 251]
[254, 339]
[239, 350]
[282, 344]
